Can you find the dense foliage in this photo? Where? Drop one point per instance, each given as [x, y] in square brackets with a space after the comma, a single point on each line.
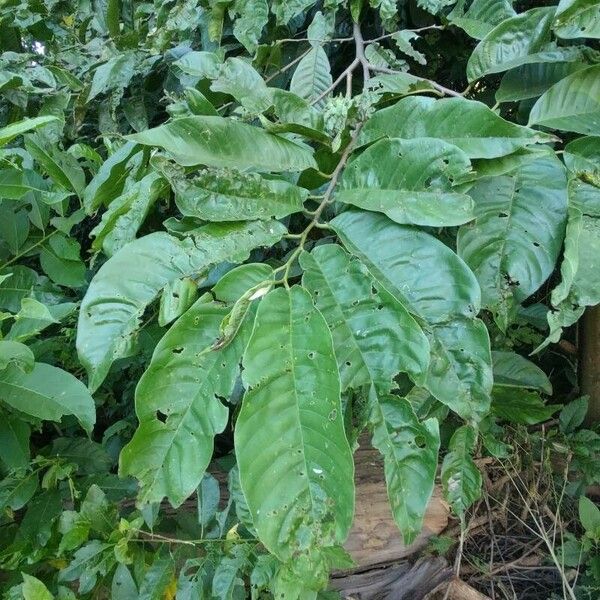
[241, 232]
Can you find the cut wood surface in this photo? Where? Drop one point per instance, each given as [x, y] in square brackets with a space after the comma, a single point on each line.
[374, 538]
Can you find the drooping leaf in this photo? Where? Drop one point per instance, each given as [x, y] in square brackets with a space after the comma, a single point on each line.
[227, 195]
[114, 74]
[177, 296]
[532, 80]
[589, 515]
[461, 479]
[34, 589]
[518, 405]
[410, 181]
[481, 16]
[49, 393]
[511, 42]
[577, 19]
[126, 213]
[61, 261]
[132, 278]
[219, 142]
[514, 242]
[410, 450]
[11, 131]
[295, 464]
[15, 353]
[178, 405]
[374, 336]
[573, 414]
[460, 368]
[312, 76]
[421, 272]
[248, 26]
[16, 284]
[14, 440]
[572, 104]
[515, 371]
[470, 125]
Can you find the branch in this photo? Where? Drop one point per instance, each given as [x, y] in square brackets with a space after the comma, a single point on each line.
[446, 91]
[348, 70]
[359, 44]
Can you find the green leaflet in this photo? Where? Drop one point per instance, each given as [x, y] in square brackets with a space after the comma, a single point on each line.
[514, 242]
[34, 589]
[131, 279]
[108, 183]
[410, 451]
[15, 353]
[572, 104]
[511, 42]
[421, 272]
[410, 181]
[472, 126]
[461, 479]
[295, 464]
[515, 371]
[13, 130]
[219, 142]
[49, 393]
[126, 213]
[374, 336]
[228, 195]
[234, 284]
[481, 16]
[248, 26]
[531, 81]
[177, 296]
[577, 19]
[460, 368]
[312, 77]
[14, 440]
[583, 155]
[178, 405]
[521, 406]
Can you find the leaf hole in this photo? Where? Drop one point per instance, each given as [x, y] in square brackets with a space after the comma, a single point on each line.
[536, 244]
[503, 215]
[311, 355]
[178, 350]
[348, 363]
[420, 441]
[161, 416]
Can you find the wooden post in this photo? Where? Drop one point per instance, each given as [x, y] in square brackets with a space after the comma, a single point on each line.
[589, 361]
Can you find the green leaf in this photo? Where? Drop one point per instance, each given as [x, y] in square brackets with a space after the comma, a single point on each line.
[34, 589]
[410, 181]
[20, 127]
[295, 464]
[461, 479]
[227, 195]
[177, 296]
[17, 491]
[14, 440]
[34, 317]
[514, 242]
[511, 42]
[92, 560]
[219, 142]
[14, 227]
[60, 260]
[113, 305]
[123, 584]
[16, 285]
[158, 577]
[62, 167]
[514, 371]
[460, 368]
[531, 81]
[248, 26]
[178, 405]
[573, 414]
[114, 74]
[235, 283]
[589, 515]
[470, 125]
[312, 77]
[517, 405]
[410, 451]
[577, 19]
[583, 155]
[374, 336]
[572, 104]
[481, 16]
[203, 65]
[108, 183]
[126, 213]
[14, 353]
[49, 393]
[422, 273]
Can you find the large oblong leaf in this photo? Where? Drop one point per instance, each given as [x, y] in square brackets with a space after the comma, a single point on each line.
[421, 272]
[511, 42]
[514, 242]
[572, 104]
[410, 451]
[374, 336]
[312, 76]
[47, 392]
[410, 181]
[577, 19]
[295, 464]
[178, 406]
[515, 371]
[220, 142]
[460, 368]
[478, 131]
[14, 129]
[133, 277]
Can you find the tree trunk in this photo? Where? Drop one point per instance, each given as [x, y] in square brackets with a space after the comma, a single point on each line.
[589, 357]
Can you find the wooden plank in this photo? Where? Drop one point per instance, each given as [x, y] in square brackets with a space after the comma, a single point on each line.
[589, 333]
[374, 538]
